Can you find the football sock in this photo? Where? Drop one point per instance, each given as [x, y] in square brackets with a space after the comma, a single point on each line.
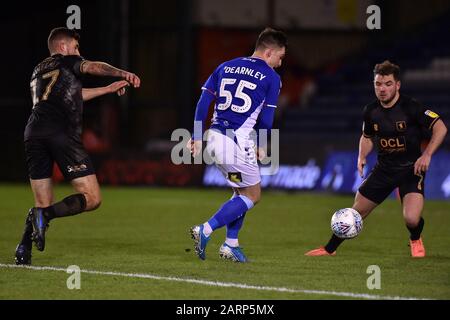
[230, 211]
[234, 227]
[232, 242]
[207, 229]
[333, 244]
[26, 237]
[69, 206]
[416, 231]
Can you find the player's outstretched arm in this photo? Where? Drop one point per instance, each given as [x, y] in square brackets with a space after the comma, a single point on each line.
[98, 68]
[118, 87]
[365, 146]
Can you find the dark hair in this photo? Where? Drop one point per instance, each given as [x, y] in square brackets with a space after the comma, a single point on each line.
[59, 34]
[386, 68]
[271, 37]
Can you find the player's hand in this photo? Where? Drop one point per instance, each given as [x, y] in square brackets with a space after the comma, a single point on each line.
[132, 79]
[422, 164]
[361, 164]
[195, 146]
[121, 91]
[119, 87]
[260, 153]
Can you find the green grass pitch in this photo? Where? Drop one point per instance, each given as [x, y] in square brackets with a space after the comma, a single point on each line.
[145, 231]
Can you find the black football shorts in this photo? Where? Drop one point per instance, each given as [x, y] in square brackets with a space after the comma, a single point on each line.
[67, 152]
[382, 181]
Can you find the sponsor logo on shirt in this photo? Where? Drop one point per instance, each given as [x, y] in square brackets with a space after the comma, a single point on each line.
[235, 177]
[80, 168]
[395, 144]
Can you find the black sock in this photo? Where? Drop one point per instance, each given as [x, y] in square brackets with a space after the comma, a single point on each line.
[69, 206]
[333, 244]
[26, 237]
[416, 231]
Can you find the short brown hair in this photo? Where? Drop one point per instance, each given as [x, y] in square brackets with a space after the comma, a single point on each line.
[386, 68]
[270, 37]
[59, 34]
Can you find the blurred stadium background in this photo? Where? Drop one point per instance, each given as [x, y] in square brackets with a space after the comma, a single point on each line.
[174, 45]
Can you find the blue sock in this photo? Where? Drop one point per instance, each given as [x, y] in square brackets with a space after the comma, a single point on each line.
[230, 211]
[234, 227]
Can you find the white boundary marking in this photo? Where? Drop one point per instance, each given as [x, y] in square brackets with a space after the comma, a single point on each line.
[216, 283]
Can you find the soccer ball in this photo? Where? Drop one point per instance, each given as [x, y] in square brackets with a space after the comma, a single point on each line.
[346, 223]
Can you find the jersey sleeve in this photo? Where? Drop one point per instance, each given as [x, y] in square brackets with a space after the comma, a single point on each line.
[212, 83]
[74, 63]
[267, 115]
[273, 92]
[425, 117]
[367, 129]
[201, 113]
[265, 119]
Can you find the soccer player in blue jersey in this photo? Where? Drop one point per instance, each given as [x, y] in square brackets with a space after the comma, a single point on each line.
[245, 91]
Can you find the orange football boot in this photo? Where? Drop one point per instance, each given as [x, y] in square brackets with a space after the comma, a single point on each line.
[319, 252]
[417, 248]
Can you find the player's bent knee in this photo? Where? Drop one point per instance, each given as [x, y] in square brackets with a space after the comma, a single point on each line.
[92, 202]
[253, 194]
[252, 197]
[256, 199]
[93, 205]
[96, 204]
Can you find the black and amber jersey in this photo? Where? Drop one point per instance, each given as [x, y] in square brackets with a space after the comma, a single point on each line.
[56, 91]
[398, 131]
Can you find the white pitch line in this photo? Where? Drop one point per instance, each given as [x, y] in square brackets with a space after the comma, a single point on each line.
[217, 283]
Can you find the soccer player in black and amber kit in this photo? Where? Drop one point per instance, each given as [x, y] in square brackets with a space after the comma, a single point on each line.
[394, 123]
[53, 134]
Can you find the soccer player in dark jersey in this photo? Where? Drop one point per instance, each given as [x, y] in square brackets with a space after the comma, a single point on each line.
[53, 134]
[395, 124]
